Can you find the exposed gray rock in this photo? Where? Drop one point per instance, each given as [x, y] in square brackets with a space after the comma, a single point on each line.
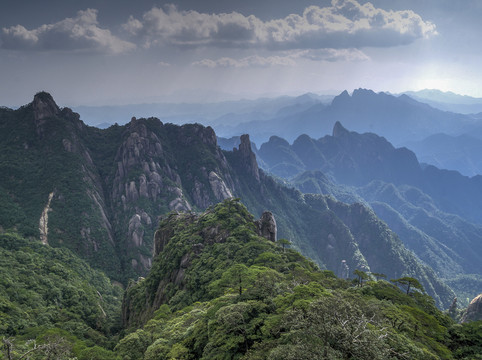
[146, 219]
[219, 188]
[44, 106]
[131, 191]
[267, 226]
[136, 232]
[44, 221]
[143, 186]
[179, 204]
[200, 195]
[474, 310]
[248, 158]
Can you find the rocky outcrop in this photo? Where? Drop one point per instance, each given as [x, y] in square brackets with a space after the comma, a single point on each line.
[266, 226]
[139, 152]
[166, 231]
[474, 310]
[182, 238]
[339, 130]
[44, 106]
[248, 158]
[162, 167]
[219, 188]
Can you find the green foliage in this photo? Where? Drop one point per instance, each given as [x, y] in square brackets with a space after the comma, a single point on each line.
[48, 292]
[361, 277]
[217, 290]
[35, 162]
[409, 284]
[284, 243]
[243, 297]
[466, 340]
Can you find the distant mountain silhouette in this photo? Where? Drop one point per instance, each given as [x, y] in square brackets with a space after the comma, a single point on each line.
[357, 159]
[447, 101]
[461, 153]
[399, 119]
[437, 213]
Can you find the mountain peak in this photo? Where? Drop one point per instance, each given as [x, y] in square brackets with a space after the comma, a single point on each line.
[363, 92]
[44, 106]
[248, 157]
[339, 130]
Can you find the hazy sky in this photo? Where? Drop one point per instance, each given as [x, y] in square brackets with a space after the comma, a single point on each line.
[132, 51]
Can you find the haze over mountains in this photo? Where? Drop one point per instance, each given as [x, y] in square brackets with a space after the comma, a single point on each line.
[240, 180]
[447, 101]
[125, 177]
[349, 201]
[417, 120]
[435, 212]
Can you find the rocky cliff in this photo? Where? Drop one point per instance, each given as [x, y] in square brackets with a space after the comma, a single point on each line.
[187, 242]
[110, 188]
[474, 310]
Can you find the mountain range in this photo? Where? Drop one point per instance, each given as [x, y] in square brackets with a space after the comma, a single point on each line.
[417, 120]
[399, 119]
[447, 101]
[101, 193]
[218, 258]
[435, 212]
[460, 153]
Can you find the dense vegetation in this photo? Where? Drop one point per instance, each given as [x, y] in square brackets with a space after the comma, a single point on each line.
[110, 186]
[50, 296]
[35, 162]
[242, 296]
[216, 289]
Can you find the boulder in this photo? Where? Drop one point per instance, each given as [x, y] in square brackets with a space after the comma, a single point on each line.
[474, 310]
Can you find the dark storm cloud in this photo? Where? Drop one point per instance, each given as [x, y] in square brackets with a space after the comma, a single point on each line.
[344, 24]
[80, 33]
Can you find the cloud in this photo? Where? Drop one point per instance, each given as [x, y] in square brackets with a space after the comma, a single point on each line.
[288, 59]
[332, 55]
[249, 61]
[80, 33]
[344, 24]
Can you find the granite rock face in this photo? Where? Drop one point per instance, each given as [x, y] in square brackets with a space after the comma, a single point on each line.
[266, 226]
[474, 310]
[248, 157]
[161, 168]
[44, 106]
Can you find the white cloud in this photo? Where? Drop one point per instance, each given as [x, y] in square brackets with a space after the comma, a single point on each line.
[80, 33]
[344, 24]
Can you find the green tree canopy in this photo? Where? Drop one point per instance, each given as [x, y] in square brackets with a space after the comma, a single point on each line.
[408, 283]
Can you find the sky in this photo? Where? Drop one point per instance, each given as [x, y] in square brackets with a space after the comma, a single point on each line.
[110, 52]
